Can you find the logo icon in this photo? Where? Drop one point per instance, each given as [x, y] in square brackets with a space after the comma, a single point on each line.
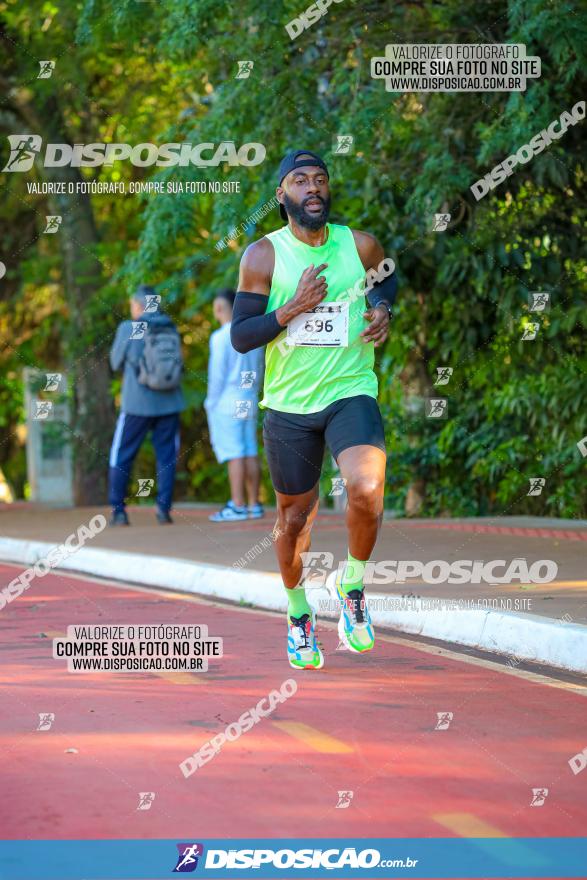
[189, 853]
[43, 410]
[344, 800]
[436, 408]
[536, 485]
[242, 408]
[138, 329]
[343, 145]
[52, 381]
[146, 799]
[338, 486]
[23, 149]
[145, 487]
[53, 223]
[47, 68]
[316, 576]
[152, 302]
[247, 378]
[539, 795]
[530, 331]
[244, 69]
[538, 301]
[441, 222]
[444, 374]
[46, 719]
[444, 719]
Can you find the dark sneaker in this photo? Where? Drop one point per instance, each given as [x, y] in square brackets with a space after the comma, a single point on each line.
[119, 518]
[163, 516]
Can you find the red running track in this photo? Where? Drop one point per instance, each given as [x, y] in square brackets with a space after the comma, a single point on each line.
[362, 724]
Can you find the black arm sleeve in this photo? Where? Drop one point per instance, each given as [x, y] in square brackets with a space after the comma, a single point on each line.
[251, 327]
[383, 291]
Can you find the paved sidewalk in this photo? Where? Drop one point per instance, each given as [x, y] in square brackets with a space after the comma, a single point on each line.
[193, 537]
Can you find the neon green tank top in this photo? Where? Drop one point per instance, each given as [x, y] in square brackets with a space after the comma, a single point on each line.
[307, 378]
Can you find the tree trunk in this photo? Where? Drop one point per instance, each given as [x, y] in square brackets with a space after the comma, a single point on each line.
[86, 345]
[416, 385]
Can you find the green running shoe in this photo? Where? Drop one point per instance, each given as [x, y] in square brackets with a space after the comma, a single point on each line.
[355, 629]
[302, 649]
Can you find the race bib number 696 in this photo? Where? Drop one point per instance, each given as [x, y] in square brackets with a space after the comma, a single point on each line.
[327, 324]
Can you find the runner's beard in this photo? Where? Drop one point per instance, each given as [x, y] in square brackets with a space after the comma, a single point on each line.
[309, 221]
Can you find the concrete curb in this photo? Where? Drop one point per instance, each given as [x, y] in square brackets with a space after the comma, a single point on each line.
[520, 636]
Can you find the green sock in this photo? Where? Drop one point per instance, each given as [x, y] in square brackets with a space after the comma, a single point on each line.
[297, 604]
[352, 578]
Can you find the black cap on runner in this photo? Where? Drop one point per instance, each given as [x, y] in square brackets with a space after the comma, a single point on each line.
[294, 160]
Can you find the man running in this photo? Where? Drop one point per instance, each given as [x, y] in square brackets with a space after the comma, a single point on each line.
[301, 293]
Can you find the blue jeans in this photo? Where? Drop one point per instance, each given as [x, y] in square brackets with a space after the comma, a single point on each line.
[130, 432]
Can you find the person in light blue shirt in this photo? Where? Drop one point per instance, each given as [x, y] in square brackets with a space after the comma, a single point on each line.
[231, 404]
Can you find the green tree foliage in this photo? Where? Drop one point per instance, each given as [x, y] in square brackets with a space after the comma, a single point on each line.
[158, 72]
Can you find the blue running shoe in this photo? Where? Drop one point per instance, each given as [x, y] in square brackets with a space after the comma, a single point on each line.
[229, 513]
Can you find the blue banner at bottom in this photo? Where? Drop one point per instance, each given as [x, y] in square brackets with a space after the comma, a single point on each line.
[528, 857]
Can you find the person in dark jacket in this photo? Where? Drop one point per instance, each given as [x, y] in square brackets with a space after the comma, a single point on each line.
[143, 409]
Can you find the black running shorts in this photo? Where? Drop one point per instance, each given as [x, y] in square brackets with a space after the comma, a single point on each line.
[294, 444]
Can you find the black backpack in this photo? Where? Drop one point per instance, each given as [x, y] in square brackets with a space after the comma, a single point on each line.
[161, 362]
